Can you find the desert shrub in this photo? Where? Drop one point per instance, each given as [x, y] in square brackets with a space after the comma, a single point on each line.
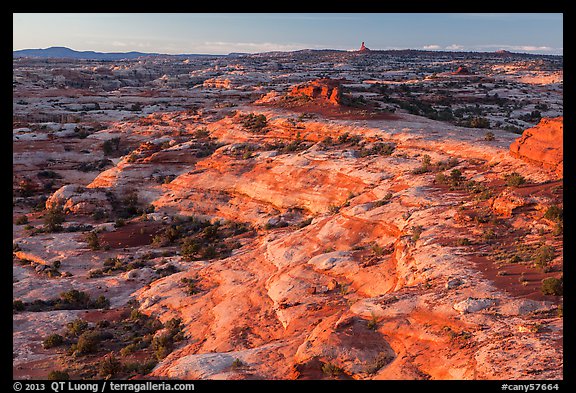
[140, 368]
[201, 133]
[448, 164]
[209, 252]
[456, 177]
[77, 327]
[120, 222]
[552, 286]
[18, 305]
[95, 273]
[47, 174]
[237, 363]
[21, 220]
[56, 375]
[334, 209]
[162, 345]
[92, 241]
[190, 285]
[554, 213]
[88, 342]
[380, 148]
[543, 256]
[416, 231]
[478, 122]
[489, 234]
[425, 166]
[109, 366]
[514, 179]
[381, 360]
[463, 241]
[189, 248]
[53, 219]
[254, 123]
[489, 136]
[166, 271]
[304, 223]
[373, 322]
[52, 340]
[101, 302]
[111, 145]
[331, 370]
[128, 349]
[75, 297]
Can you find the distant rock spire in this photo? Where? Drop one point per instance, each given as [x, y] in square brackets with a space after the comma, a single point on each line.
[363, 48]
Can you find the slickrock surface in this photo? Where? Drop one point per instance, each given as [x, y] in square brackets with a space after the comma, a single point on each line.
[363, 241]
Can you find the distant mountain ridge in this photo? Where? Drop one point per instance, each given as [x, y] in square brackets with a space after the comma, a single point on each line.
[67, 53]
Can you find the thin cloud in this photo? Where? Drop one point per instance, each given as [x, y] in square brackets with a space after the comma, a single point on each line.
[431, 47]
[521, 48]
[223, 46]
[454, 47]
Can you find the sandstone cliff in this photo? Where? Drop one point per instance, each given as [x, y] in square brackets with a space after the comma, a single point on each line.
[542, 145]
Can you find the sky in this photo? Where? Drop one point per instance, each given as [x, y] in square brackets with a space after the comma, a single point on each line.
[185, 33]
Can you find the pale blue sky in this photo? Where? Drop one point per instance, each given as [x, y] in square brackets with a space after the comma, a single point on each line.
[225, 33]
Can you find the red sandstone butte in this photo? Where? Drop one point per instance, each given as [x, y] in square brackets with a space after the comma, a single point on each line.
[462, 70]
[542, 145]
[326, 88]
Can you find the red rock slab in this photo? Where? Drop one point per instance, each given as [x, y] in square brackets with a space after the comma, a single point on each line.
[542, 145]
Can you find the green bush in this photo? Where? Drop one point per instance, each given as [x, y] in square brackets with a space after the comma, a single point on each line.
[163, 345]
[88, 342]
[92, 241]
[52, 341]
[109, 367]
[331, 370]
[463, 241]
[514, 179]
[18, 305]
[554, 213]
[543, 256]
[21, 220]
[56, 375]
[77, 327]
[416, 231]
[53, 219]
[552, 286]
[254, 123]
[236, 364]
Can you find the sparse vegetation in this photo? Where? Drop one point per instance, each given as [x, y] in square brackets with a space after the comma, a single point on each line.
[514, 179]
[56, 375]
[416, 232]
[554, 213]
[331, 370]
[543, 256]
[21, 220]
[464, 241]
[52, 341]
[254, 123]
[92, 241]
[109, 366]
[111, 145]
[236, 364]
[53, 219]
[373, 322]
[552, 286]
[489, 136]
[381, 360]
